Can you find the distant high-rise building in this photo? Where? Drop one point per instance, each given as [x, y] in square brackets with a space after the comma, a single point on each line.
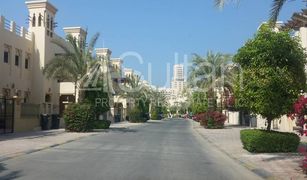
[178, 72]
[178, 81]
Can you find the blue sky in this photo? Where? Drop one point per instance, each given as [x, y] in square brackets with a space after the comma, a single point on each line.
[158, 29]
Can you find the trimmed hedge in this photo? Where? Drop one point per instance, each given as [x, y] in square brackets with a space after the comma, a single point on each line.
[104, 124]
[261, 141]
[79, 118]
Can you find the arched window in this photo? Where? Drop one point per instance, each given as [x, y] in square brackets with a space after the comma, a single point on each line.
[33, 20]
[51, 24]
[48, 21]
[39, 19]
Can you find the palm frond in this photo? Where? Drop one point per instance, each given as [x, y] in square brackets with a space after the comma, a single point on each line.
[219, 3]
[74, 43]
[275, 10]
[62, 44]
[58, 65]
[93, 42]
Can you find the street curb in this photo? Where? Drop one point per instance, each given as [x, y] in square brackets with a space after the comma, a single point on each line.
[27, 152]
[258, 171]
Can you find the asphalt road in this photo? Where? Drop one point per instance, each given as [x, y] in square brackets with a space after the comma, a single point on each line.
[162, 150]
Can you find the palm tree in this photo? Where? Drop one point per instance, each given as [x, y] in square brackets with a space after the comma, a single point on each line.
[72, 65]
[274, 12]
[214, 71]
[156, 98]
[133, 87]
[209, 71]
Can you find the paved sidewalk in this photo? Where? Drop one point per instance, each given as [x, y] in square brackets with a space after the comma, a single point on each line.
[267, 165]
[17, 144]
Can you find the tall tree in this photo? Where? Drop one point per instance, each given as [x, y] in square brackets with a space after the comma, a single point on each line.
[199, 102]
[214, 71]
[273, 73]
[208, 71]
[72, 65]
[135, 89]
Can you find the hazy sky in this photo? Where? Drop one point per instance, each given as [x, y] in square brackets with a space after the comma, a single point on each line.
[159, 29]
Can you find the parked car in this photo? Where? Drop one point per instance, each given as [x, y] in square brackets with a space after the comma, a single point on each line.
[147, 116]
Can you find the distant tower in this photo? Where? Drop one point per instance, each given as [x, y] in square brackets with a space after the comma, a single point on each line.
[76, 32]
[42, 23]
[128, 72]
[103, 53]
[178, 81]
[117, 65]
[42, 17]
[178, 72]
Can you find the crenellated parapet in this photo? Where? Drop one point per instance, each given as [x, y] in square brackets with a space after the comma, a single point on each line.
[11, 26]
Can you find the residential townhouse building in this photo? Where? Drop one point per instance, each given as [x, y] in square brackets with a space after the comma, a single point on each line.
[24, 53]
[25, 92]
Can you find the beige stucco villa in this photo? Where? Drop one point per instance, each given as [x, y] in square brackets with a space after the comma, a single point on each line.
[25, 93]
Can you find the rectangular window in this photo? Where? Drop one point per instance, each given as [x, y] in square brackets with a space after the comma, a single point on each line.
[6, 57]
[26, 96]
[16, 60]
[26, 63]
[18, 57]
[6, 92]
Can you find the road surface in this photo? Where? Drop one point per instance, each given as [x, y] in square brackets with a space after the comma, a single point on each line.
[161, 150]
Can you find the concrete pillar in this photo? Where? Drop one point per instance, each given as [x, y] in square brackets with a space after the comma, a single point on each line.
[17, 115]
[2, 19]
[13, 26]
[23, 32]
[124, 113]
[112, 111]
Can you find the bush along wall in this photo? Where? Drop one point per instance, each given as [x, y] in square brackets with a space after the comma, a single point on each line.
[261, 141]
[79, 117]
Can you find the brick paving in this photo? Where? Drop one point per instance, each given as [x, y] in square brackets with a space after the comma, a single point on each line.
[283, 166]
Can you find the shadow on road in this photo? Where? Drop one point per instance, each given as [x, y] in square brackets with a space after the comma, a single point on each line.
[117, 130]
[154, 122]
[236, 127]
[282, 156]
[8, 175]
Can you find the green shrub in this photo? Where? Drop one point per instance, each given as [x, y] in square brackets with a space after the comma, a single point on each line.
[135, 116]
[154, 115]
[104, 124]
[79, 117]
[256, 140]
